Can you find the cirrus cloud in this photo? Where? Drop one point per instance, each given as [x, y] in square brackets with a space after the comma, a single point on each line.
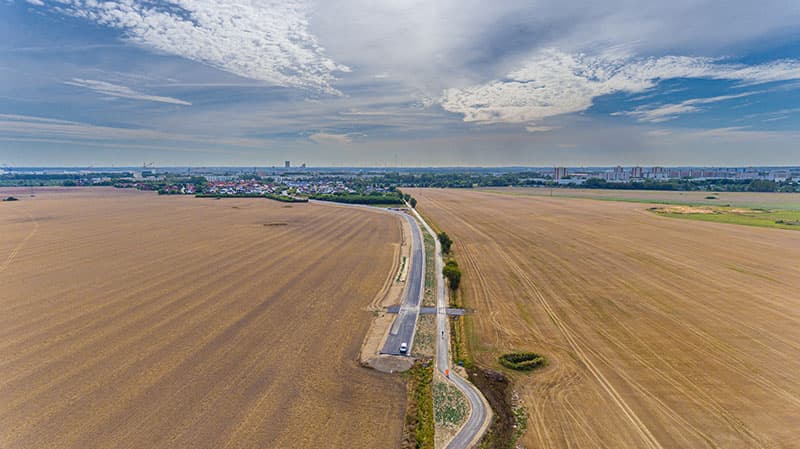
[115, 90]
[268, 41]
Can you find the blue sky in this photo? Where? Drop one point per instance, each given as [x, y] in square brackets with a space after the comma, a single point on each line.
[350, 82]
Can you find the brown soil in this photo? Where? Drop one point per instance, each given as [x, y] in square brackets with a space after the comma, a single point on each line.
[497, 391]
[659, 333]
[131, 320]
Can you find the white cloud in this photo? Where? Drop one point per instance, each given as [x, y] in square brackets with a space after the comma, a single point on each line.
[538, 128]
[663, 113]
[22, 127]
[263, 40]
[115, 90]
[553, 83]
[330, 138]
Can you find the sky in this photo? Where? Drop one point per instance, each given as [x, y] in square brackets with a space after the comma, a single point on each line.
[399, 83]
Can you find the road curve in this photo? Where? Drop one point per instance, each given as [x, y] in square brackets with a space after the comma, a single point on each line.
[480, 412]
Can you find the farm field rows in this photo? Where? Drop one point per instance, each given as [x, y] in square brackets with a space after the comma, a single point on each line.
[660, 333]
[131, 320]
[790, 201]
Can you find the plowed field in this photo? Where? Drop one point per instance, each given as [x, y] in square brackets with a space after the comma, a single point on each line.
[660, 333]
[131, 320]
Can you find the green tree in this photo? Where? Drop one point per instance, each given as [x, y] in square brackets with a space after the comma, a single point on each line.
[413, 202]
[761, 185]
[453, 274]
[446, 242]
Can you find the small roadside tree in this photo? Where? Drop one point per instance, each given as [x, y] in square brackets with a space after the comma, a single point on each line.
[446, 242]
[453, 274]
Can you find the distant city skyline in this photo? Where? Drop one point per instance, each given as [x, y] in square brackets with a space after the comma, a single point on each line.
[444, 83]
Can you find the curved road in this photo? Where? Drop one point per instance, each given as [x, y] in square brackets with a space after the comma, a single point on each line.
[480, 412]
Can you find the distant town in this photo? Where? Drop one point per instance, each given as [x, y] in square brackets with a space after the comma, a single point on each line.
[380, 185]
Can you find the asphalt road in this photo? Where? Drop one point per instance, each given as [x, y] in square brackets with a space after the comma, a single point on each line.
[405, 324]
[480, 412]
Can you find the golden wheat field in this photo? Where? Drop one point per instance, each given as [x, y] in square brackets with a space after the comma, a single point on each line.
[132, 320]
[660, 333]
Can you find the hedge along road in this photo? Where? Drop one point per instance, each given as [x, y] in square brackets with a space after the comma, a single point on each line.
[480, 413]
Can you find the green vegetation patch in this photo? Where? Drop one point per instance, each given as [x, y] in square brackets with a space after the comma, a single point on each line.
[429, 298]
[520, 423]
[452, 273]
[522, 361]
[449, 405]
[767, 218]
[424, 339]
[373, 199]
[419, 425]
[282, 198]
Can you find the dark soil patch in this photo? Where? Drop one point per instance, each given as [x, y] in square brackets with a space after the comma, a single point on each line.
[496, 388]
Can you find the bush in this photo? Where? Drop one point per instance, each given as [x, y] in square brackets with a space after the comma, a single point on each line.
[453, 274]
[522, 361]
[11, 198]
[446, 242]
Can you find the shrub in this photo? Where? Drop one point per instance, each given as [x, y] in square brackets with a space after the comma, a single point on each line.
[453, 274]
[522, 361]
[446, 242]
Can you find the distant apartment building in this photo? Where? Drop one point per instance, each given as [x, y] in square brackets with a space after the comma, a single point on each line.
[637, 172]
[617, 174]
[287, 164]
[780, 175]
[559, 173]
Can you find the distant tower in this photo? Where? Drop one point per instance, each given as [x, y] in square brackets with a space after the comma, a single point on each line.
[287, 164]
[637, 172]
[559, 173]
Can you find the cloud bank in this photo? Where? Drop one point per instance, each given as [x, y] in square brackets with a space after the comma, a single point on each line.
[553, 83]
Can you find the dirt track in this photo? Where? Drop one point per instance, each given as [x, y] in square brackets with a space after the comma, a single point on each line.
[661, 333]
[129, 320]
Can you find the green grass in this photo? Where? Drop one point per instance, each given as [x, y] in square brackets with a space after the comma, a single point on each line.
[781, 219]
[449, 405]
[429, 299]
[419, 413]
[721, 198]
[521, 423]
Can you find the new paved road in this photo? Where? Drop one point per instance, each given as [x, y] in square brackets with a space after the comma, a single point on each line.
[405, 324]
[480, 413]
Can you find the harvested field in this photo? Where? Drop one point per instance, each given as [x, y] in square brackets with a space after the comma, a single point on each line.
[659, 333]
[790, 201]
[131, 320]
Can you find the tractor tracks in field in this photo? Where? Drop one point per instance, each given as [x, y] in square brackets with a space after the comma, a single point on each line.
[13, 254]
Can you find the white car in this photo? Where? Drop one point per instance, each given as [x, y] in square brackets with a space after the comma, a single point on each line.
[403, 348]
